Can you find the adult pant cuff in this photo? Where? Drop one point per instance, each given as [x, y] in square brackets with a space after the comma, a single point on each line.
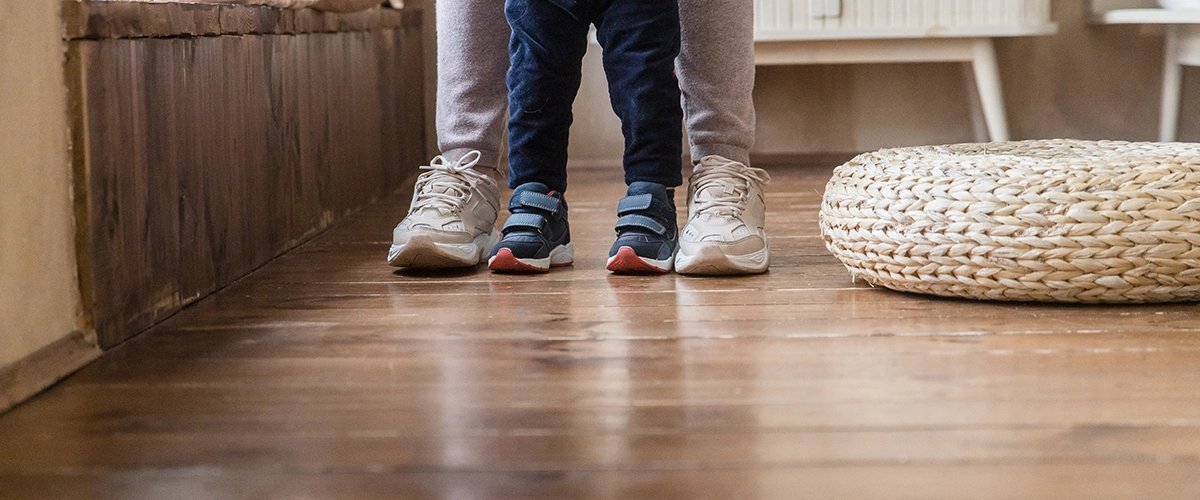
[735, 153]
[489, 158]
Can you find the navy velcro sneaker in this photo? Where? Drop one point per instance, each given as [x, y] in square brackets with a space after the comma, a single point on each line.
[536, 236]
[647, 233]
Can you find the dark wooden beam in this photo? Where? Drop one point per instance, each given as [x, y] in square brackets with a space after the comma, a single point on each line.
[100, 20]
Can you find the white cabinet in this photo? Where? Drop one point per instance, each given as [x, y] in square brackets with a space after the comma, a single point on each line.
[790, 32]
[826, 19]
[1181, 48]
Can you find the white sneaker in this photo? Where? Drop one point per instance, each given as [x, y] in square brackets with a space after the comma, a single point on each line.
[726, 212]
[452, 219]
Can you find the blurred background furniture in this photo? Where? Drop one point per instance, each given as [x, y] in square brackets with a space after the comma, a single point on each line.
[791, 32]
[1181, 48]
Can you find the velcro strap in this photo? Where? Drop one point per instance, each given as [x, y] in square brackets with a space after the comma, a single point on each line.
[527, 221]
[643, 222]
[634, 203]
[535, 200]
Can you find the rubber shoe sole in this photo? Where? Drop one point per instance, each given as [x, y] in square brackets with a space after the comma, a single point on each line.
[711, 261]
[421, 252]
[505, 262]
[626, 261]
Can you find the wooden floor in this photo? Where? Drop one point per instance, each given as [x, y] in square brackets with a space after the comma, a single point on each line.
[326, 374]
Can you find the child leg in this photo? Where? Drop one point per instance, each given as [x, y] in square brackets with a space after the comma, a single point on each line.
[641, 40]
[546, 54]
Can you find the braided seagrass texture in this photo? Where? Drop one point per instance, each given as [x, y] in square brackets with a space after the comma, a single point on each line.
[1053, 220]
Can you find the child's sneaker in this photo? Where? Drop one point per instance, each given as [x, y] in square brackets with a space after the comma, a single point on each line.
[536, 235]
[726, 213]
[647, 233]
[452, 219]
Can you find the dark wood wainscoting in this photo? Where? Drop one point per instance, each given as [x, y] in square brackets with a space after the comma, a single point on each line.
[199, 158]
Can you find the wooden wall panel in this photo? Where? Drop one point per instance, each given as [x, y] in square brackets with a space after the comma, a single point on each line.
[201, 158]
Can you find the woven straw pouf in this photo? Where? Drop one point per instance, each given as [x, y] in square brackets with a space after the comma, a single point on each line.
[1054, 220]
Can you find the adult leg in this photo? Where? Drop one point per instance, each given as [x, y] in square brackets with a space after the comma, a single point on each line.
[725, 232]
[716, 73]
[472, 39]
[452, 218]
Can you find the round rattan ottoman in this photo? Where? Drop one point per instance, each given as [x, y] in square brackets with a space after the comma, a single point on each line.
[1052, 220]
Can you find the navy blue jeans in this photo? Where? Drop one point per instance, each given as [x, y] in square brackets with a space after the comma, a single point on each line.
[640, 39]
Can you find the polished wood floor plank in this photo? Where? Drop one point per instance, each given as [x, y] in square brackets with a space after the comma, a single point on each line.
[554, 379]
[534, 452]
[351, 411]
[991, 482]
[341, 341]
[328, 374]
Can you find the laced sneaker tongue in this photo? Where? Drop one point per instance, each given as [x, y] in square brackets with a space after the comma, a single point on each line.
[438, 187]
[717, 191]
[435, 210]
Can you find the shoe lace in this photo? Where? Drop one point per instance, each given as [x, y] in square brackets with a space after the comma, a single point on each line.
[446, 184]
[723, 188]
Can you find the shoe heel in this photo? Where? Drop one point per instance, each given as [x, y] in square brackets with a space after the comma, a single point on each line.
[562, 256]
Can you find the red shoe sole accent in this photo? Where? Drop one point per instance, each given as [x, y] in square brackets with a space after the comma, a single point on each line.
[627, 261]
[504, 261]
